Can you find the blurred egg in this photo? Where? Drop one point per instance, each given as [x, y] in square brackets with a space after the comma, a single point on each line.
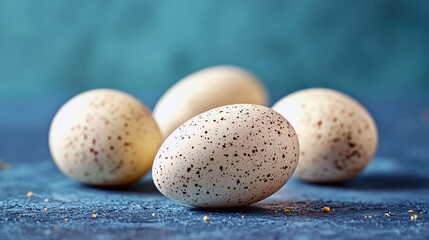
[104, 137]
[227, 157]
[204, 90]
[337, 135]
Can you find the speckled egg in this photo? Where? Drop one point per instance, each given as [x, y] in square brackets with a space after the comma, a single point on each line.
[204, 90]
[337, 135]
[230, 156]
[104, 137]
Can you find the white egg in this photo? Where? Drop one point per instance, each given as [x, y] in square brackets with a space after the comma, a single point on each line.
[204, 90]
[227, 157]
[104, 137]
[337, 135]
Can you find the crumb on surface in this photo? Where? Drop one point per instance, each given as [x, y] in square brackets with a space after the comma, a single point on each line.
[326, 209]
[153, 214]
[94, 215]
[242, 216]
[414, 217]
[366, 216]
[333, 210]
[205, 218]
[46, 199]
[287, 210]
[66, 219]
[410, 211]
[275, 211]
[46, 209]
[30, 194]
[387, 214]
[93, 211]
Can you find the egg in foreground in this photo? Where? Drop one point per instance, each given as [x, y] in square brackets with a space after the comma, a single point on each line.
[337, 135]
[104, 137]
[227, 157]
[204, 90]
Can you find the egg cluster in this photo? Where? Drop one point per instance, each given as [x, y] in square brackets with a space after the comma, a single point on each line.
[222, 146]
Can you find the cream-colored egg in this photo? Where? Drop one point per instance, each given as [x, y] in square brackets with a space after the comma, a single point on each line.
[104, 137]
[337, 135]
[204, 90]
[227, 157]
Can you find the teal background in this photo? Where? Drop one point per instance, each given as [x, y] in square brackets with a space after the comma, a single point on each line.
[143, 47]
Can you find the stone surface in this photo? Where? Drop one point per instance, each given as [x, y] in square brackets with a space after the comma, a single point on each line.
[128, 213]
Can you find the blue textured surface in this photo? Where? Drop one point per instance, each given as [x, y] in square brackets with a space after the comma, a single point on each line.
[127, 213]
[396, 180]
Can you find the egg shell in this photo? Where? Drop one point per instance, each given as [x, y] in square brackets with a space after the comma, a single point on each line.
[337, 135]
[227, 157]
[204, 90]
[104, 137]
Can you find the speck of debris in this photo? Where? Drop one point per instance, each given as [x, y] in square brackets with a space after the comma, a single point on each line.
[326, 209]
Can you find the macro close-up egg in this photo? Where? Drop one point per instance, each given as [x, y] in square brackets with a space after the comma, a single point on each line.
[337, 135]
[230, 156]
[204, 90]
[104, 137]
